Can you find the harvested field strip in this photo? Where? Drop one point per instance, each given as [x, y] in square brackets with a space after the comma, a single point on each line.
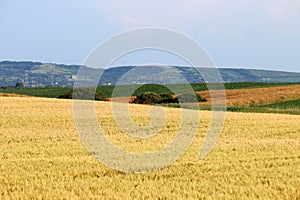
[257, 96]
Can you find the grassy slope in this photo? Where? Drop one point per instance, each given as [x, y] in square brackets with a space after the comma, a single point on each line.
[294, 104]
[51, 92]
[289, 107]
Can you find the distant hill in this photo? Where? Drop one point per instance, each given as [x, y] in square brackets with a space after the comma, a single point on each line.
[34, 74]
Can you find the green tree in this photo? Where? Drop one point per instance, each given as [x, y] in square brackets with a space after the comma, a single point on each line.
[84, 94]
[154, 98]
[19, 85]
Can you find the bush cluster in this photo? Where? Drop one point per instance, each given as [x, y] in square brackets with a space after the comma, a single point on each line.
[84, 94]
[154, 98]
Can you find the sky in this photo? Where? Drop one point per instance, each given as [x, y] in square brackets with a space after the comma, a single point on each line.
[256, 34]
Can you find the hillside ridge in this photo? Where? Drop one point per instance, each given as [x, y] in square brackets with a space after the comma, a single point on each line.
[34, 74]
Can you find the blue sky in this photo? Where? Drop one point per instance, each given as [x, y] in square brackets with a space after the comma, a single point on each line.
[259, 34]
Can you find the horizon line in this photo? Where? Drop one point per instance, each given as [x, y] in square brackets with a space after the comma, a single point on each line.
[171, 65]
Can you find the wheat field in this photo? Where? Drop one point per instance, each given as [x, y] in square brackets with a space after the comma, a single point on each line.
[42, 157]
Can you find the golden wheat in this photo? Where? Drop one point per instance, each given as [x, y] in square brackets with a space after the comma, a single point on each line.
[42, 157]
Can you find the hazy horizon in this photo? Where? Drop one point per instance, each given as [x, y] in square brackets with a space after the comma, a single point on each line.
[172, 65]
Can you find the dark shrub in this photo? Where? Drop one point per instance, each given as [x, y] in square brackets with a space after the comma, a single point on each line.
[147, 98]
[154, 98]
[83, 93]
[19, 85]
[167, 98]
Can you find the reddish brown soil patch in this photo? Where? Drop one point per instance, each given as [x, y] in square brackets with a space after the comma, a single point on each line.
[122, 99]
[12, 95]
[258, 96]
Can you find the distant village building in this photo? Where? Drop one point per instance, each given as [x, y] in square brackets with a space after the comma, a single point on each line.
[51, 80]
[73, 77]
[26, 78]
[33, 82]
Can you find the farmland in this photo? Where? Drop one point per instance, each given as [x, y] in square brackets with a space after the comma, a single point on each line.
[241, 97]
[54, 92]
[41, 155]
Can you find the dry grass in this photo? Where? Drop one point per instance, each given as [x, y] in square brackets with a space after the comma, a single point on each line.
[257, 96]
[41, 156]
[12, 95]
